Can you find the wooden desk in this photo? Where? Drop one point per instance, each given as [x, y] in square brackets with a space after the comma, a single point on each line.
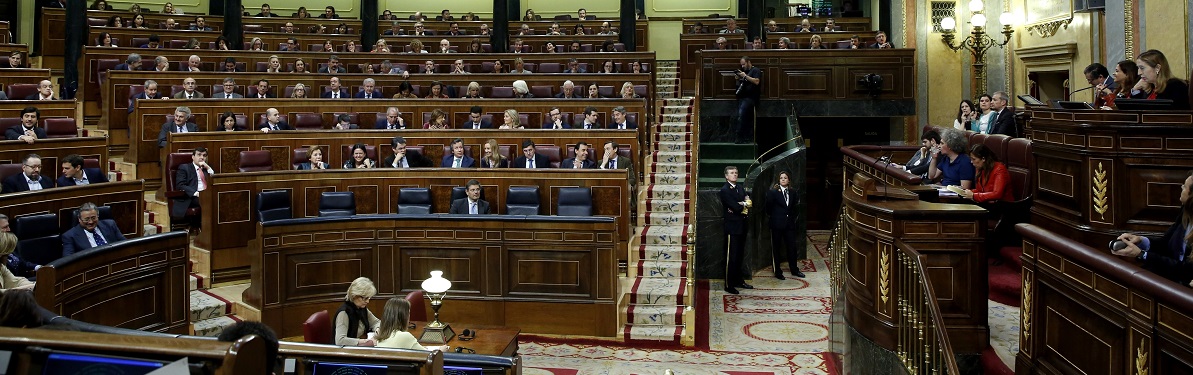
[823, 75]
[505, 270]
[785, 23]
[138, 284]
[125, 197]
[48, 108]
[11, 76]
[1102, 173]
[304, 354]
[54, 150]
[490, 340]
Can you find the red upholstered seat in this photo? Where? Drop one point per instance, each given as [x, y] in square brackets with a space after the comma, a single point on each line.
[61, 128]
[551, 152]
[541, 91]
[317, 328]
[447, 150]
[10, 169]
[550, 68]
[503, 92]
[255, 161]
[173, 160]
[308, 121]
[300, 155]
[418, 306]
[1020, 163]
[19, 91]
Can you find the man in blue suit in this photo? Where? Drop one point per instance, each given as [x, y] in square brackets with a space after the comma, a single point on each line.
[556, 120]
[73, 172]
[581, 161]
[149, 93]
[457, 159]
[476, 120]
[368, 91]
[27, 130]
[334, 91]
[91, 232]
[531, 159]
[393, 120]
[620, 121]
[30, 178]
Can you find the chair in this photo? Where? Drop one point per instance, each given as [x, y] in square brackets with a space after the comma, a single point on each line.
[418, 306]
[522, 200]
[998, 144]
[502, 92]
[459, 192]
[550, 67]
[104, 212]
[273, 205]
[254, 161]
[447, 150]
[10, 169]
[414, 200]
[574, 201]
[551, 152]
[172, 162]
[20, 91]
[298, 156]
[337, 203]
[541, 91]
[39, 242]
[61, 128]
[137, 42]
[317, 328]
[178, 44]
[308, 121]
[370, 152]
[606, 92]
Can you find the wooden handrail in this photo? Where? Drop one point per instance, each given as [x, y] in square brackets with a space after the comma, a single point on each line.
[924, 346]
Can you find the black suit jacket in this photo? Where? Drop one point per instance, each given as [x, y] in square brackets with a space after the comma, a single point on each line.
[37, 96]
[568, 164]
[628, 125]
[384, 124]
[343, 94]
[94, 176]
[186, 180]
[782, 214]
[551, 125]
[414, 158]
[540, 161]
[281, 126]
[1005, 123]
[16, 131]
[307, 166]
[268, 95]
[575, 95]
[460, 206]
[16, 183]
[484, 125]
[465, 162]
[339, 69]
[168, 128]
[1164, 255]
[361, 95]
[75, 239]
[141, 96]
[731, 198]
[594, 126]
[505, 163]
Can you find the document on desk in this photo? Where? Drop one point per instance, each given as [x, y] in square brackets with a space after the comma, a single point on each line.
[950, 191]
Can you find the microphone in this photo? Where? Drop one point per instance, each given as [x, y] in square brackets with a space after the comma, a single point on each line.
[1087, 88]
[887, 159]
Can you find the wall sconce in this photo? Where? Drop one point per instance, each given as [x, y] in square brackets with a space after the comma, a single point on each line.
[978, 42]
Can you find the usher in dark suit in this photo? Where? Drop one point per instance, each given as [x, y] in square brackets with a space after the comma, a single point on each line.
[460, 206]
[781, 207]
[735, 232]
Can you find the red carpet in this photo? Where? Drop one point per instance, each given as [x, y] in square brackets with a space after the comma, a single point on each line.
[1004, 279]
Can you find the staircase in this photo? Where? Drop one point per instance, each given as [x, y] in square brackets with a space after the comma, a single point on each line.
[658, 265]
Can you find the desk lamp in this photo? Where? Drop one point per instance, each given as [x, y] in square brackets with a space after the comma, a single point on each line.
[436, 332]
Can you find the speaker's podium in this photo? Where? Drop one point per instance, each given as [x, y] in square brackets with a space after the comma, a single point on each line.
[878, 218]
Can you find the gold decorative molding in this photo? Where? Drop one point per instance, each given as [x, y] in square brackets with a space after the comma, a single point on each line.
[1025, 313]
[1129, 28]
[1048, 29]
[1100, 187]
[1141, 359]
[884, 275]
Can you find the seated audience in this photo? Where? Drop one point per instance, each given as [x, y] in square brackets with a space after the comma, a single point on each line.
[785, 43]
[351, 47]
[1004, 116]
[574, 67]
[444, 46]
[368, 90]
[438, 120]
[581, 160]
[256, 44]
[200, 24]
[498, 67]
[608, 46]
[193, 63]
[229, 91]
[329, 13]
[91, 231]
[191, 178]
[949, 164]
[27, 130]
[161, 64]
[132, 62]
[722, 43]
[394, 322]
[221, 44]
[549, 48]
[458, 67]
[416, 46]
[328, 47]
[333, 66]
[620, 121]
[354, 320]
[511, 120]
[105, 40]
[169, 9]
[519, 67]
[15, 61]
[8, 281]
[263, 90]
[492, 157]
[555, 120]
[45, 91]
[273, 122]
[880, 41]
[816, 42]
[993, 181]
[568, 91]
[457, 158]
[697, 28]
[985, 119]
[530, 159]
[855, 42]
[574, 46]
[606, 29]
[521, 90]
[360, 158]
[334, 90]
[405, 91]
[30, 178]
[299, 92]
[230, 65]
[1158, 82]
[472, 204]
[18, 307]
[530, 16]
[115, 21]
[627, 91]
[731, 27]
[757, 43]
[967, 116]
[181, 124]
[139, 22]
[830, 25]
[612, 160]
[918, 164]
[316, 159]
[1167, 256]
[265, 12]
[15, 264]
[578, 29]
[188, 90]
[228, 122]
[772, 27]
[484, 29]
[805, 26]
[473, 91]
[241, 329]
[475, 46]
[344, 122]
[1126, 75]
[300, 66]
[73, 172]
[554, 30]
[594, 91]
[475, 120]
[437, 91]
[590, 119]
[404, 158]
[100, 5]
[150, 92]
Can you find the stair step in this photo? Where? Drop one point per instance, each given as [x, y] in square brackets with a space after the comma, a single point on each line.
[212, 327]
[658, 290]
[652, 333]
[661, 268]
[668, 192]
[197, 281]
[664, 235]
[669, 315]
[1006, 284]
[678, 102]
[680, 136]
[668, 252]
[663, 219]
[667, 205]
[205, 305]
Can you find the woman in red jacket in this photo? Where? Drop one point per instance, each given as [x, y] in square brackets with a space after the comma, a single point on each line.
[992, 180]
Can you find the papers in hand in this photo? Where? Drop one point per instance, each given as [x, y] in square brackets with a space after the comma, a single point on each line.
[951, 191]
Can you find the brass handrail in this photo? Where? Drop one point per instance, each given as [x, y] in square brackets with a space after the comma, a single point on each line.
[923, 344]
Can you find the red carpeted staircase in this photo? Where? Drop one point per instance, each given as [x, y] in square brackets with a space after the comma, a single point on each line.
[1005, 287]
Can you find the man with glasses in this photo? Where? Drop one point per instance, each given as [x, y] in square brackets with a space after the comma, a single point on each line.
[393, 120]
[555, 120]
[29, 179]
[229, 91]
[91, 231]
[188, 90]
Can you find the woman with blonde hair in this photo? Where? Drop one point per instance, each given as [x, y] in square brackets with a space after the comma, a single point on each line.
[354, 320]
[8, 243]
[627, 91]
[492, 157]
[257, 45]
[511, 120]
[473, 91]
[394, 321]
[275, 64]
[300, 91]
[1157, 82]
[416, 46]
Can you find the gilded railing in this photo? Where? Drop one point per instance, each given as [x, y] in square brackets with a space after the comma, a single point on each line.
[693, 159]
[923, 345]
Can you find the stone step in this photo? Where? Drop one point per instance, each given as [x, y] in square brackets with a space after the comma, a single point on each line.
[675, 117]
[670, 157]
[212, 327]
[667, 205]
[661, 268]
[673, 146]
[197, 281]
[206, 305]
[669, 315]
[681, 127]
[678, 102]
[666, 192]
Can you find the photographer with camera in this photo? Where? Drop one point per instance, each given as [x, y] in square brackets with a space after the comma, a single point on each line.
[1167, 256]
[748, 80]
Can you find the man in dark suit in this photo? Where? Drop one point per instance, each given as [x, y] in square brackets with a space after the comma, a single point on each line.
[27, 130]
[590, 119]
[263, 90]
[473, 204]
[73, 172]
[265, 12]
[91, 231]
[181, 124]
[368, 90]
[229, 91]
[150, 92]
[620, 121]
[30, 177]
[393, 120]
[273, 122]
[403, 158]
[475, 120]
[782, 208]
[531, 159]
[556, 120]
[581, 161]
[610, 159]
[334, 90]
[191, 178]
[880, 41]
[45, 91]
[395, 29]
[569, 91]
[132, 62]
[1004, 121]
[457, 159]
[736, 202]
[333, 66]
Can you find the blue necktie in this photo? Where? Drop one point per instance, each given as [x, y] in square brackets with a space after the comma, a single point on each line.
[99, 239]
